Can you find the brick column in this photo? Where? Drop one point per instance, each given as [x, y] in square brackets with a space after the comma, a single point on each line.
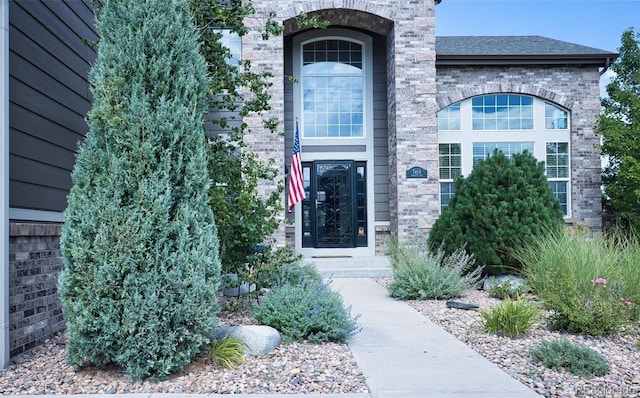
[413, 139]
[267, 56]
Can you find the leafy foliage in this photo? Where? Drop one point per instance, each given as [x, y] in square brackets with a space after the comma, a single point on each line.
[509, 318]
[577, 359]
[244, 216]
[227, 351]
[310, 311]
[281, 267]
[581, 280]
[619, 125]
[139, 245]
[419, 274]
[503, 204]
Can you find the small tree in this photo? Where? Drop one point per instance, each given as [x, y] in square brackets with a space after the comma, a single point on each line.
[502, 204]
[141, 276]
[244, 216]
[619, 125]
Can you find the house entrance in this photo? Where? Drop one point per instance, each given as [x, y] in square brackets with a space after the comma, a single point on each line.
[334, 212]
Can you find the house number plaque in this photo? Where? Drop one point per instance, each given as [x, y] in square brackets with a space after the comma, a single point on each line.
[416, 172]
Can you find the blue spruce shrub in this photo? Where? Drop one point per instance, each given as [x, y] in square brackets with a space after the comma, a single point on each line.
[140, 250]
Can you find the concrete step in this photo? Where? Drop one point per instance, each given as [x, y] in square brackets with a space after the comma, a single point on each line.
[352, 267]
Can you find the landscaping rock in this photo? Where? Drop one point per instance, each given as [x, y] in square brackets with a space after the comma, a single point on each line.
[258, 340]
[462, 306]
[515, 280]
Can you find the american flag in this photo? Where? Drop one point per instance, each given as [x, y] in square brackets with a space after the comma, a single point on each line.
[296, 183]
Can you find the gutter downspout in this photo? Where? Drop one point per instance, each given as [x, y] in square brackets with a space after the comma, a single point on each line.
[4, 184]
[607, 64]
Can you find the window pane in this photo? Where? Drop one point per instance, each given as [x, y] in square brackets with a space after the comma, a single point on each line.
[483, 149]
[559, 189]
[450, 161]
[502, 112]
[332, 88]
[447, 190]
[449, 117]
[554, 117]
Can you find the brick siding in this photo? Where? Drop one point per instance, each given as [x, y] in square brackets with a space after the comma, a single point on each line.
[35, 312]
[575, 88]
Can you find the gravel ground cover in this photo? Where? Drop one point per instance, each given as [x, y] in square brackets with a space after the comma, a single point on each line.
[512, 355]
[329, 368]
[296, 368]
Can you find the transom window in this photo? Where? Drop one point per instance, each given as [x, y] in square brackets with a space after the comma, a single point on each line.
[332, 89]
[471, 129]
[502, 112]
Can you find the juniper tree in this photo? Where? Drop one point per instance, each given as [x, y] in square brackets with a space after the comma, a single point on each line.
[140, 249]
[502, 204]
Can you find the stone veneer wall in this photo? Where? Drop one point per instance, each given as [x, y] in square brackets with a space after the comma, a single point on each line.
[35, 312]
[409, 27]
[573, 87]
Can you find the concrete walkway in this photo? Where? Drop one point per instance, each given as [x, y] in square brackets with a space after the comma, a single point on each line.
[403, 354]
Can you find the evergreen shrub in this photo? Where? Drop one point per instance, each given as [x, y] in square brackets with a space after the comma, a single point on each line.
[502, 205]
[309, 311]
[141, 271]
[419, 274]
[577, 359]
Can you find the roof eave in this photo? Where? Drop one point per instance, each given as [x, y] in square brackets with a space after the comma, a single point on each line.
[602, 60]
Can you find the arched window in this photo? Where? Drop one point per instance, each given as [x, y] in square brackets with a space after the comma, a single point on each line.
[471, 129]
[332, 88]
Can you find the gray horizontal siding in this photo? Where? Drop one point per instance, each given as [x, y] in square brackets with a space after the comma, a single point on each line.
[48, 97]
[380, 129]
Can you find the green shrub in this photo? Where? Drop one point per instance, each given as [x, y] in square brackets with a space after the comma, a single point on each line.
[310, 311]
[273, 268]
[281, 266]
[579, 360]
[141, 271]
[506, 289]
[503, 204]
[509, 318]
[227, 351]
[419, 274]
[567, 271]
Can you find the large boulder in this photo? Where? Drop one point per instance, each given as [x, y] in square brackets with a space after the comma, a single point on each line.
[258, 339]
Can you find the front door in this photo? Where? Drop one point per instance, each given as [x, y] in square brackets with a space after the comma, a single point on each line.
[334, 210]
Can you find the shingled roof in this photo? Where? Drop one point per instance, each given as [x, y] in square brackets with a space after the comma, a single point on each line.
[501, 50]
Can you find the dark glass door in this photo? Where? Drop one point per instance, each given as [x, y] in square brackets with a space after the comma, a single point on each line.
[334, 204]
[334, 210]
